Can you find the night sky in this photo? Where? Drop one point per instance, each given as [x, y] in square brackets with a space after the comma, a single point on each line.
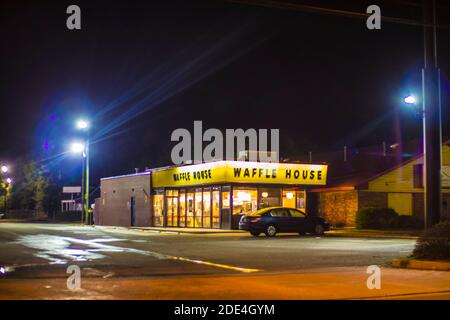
[139, 70]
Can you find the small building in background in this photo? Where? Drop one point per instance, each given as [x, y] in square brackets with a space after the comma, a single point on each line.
[71, 199]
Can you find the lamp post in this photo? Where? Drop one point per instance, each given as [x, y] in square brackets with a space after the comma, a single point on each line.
[80, 148]
[8, 182]
[84, 126]
[431, 112]
[432, 118]
[4, 169]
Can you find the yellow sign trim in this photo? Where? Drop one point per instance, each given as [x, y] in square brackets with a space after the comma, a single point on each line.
[241, 172]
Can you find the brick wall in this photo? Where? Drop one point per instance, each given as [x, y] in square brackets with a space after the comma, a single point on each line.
[114, 203]
[372, 199]
[338, 207]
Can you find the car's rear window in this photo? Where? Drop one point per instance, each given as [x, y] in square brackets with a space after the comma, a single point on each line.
[259, 212]
[279, 212]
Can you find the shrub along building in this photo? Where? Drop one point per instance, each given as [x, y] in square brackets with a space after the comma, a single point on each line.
[376, 177]
[206, 195]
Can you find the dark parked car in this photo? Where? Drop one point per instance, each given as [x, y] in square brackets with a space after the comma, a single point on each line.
[278, 219]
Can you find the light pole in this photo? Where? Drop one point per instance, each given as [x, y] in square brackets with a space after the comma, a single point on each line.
[8, 182]
[80, 148]
[84, 125]
[431, 113]
[4, 169]
[432, 130]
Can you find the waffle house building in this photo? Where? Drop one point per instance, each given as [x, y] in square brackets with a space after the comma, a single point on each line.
[207, 195]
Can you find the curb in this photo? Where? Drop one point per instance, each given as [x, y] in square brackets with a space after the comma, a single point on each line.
[421, 264]
[199, 231]
[162, 230]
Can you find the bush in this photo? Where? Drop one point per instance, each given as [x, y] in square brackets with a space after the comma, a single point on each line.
[385, 218]
[434, 244]
[409, 222]
[376, 218]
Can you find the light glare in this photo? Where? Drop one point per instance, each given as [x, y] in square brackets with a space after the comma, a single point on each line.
[4, 169]
[77, 147]
[410, 100]
[82, 124]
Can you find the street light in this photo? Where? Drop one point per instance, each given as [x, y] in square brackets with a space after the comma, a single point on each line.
[77, 147]
[410, 99]
[5, 168]
[8, 180]
[83, 124]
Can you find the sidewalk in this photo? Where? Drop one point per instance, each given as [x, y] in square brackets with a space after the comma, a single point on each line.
[334, 283]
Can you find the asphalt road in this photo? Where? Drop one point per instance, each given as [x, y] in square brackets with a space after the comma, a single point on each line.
[36, 257]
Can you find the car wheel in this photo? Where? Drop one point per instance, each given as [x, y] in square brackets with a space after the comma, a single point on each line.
[271, 230]
[254, 233]
[302, 233]
[319, 229]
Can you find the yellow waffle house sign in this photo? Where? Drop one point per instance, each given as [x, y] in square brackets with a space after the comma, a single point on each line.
[241, 172]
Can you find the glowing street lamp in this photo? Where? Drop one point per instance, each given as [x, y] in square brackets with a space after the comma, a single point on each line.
[82, 124]
[77, 147]
[4, 168]
[8, 180]
[410, 99]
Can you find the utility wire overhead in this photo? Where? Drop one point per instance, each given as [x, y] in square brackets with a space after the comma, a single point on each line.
[329, 11]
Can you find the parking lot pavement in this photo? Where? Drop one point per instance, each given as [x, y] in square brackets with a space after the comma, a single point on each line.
[44, 251]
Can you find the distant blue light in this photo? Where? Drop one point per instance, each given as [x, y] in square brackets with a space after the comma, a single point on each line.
[46, 146]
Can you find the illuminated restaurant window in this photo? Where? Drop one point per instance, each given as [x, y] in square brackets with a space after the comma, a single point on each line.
[182, 208]
[172, 208]
[269, 197]
[198, 208]
[206, 208]
[190, 209]
[244, 200]
[289, 198]
[158, 206]
[216, 208]
[226, 197]
[301, 200]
